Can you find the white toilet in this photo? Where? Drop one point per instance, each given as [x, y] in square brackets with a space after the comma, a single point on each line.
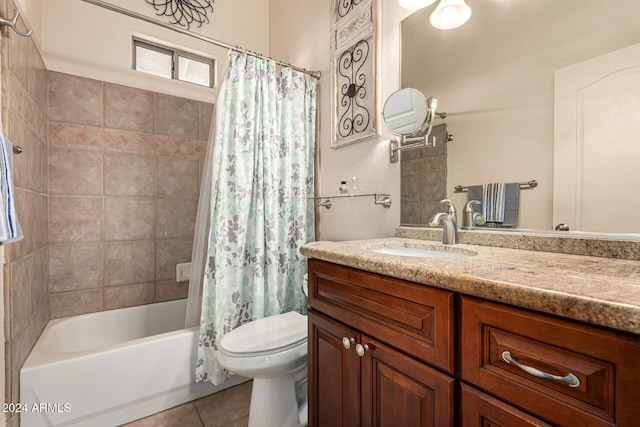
[272, 351]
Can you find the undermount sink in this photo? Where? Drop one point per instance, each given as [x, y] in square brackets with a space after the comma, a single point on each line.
[422, 252]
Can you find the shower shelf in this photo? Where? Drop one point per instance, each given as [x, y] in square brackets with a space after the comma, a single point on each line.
[378, 199]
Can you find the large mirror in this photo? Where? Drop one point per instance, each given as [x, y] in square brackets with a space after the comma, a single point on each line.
[495, 77]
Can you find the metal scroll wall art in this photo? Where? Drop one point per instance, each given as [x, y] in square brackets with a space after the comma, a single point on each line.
[352, 77]
[184, 12]
[345, 6]
[354, 53]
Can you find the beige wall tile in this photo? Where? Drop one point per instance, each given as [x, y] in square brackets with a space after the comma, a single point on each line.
[206, 119]
[129, 295]
[75, 219]
[40, 284]
[129, 218]
[27, 166]
[28, 209]
[18, 57]
[37, 78]
[177, 116]
[74, 303]
[170, 252]
[129, 262]
[129, 174]
[74, 267]
[177, 178]
[19, 102]
[23, 273]
[169, 290]
[175, 218]
[75, 172]
[75, 99]
[129, 108]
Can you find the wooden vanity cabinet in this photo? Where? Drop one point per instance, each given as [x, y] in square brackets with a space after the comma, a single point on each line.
[594, 373]
[368, 373]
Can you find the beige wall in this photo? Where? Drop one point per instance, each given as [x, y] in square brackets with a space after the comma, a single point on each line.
[86, 40]
[309, 21]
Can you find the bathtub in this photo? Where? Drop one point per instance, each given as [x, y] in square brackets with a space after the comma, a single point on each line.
[111, 367]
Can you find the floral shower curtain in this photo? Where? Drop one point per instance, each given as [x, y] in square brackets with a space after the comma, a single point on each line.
[262, 163]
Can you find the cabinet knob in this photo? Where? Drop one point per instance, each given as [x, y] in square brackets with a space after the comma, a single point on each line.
[362, 349]
[348, 342]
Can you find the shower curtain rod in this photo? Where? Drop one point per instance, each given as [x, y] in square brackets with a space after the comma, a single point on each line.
[131, 14]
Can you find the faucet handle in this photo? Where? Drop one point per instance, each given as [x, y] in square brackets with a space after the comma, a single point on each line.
[451, 208]
[468, 207]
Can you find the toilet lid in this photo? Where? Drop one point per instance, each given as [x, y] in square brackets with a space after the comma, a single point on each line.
[269, 334]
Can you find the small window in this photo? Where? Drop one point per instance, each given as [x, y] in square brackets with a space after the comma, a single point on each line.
[172, 64]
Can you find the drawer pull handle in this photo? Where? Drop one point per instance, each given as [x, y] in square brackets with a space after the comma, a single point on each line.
[570, 379]
[347, 342]
[361, 349]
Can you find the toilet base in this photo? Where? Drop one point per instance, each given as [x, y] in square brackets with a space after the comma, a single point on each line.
[274, 403]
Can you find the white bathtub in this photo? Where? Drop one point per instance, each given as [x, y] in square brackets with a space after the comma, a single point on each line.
[111, 367]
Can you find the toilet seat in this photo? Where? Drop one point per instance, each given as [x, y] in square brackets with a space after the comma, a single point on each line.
[268, 335]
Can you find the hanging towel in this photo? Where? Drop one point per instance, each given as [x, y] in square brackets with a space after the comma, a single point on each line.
[10, 230]
[493, 200]
[512, 196]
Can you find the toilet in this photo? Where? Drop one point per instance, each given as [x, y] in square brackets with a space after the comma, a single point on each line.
[272, 351]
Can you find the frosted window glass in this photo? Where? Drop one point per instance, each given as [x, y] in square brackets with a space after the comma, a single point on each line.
[153, 62]
[190, 70]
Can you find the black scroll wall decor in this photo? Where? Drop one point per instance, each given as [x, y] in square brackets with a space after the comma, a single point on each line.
[184, 12]
[345, 6]
[352, 78]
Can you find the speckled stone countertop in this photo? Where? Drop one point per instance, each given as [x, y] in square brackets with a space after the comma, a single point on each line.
[597, 290]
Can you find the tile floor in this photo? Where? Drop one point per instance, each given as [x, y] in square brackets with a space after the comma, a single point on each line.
[228, 408]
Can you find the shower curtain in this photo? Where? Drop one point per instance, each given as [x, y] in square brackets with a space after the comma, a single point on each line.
[261, 168]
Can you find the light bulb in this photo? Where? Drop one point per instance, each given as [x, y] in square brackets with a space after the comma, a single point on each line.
[415, 4]
[450, 14]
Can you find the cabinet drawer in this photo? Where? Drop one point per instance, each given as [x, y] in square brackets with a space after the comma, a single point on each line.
[506, 351]
[481, 410]
[413, 318]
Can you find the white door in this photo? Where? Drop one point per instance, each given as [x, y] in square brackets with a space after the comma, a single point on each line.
[596, 183]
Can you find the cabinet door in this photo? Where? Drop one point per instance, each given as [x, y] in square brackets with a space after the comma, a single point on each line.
[334, 374]
[400, 391]
[481, 410]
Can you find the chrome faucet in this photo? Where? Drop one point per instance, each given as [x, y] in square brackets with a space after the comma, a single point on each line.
[470, 218]
[449, 223]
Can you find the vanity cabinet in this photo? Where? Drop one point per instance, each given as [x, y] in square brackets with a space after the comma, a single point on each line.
[567, 373]
[392, 365]
[388, 352]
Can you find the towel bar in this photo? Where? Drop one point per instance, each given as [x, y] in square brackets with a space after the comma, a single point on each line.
[523, 185]
[13, 24]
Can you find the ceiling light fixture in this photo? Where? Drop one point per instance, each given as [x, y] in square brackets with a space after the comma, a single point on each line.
[450, 14]
[415, 4]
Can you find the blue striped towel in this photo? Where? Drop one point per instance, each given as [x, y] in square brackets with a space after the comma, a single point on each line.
[493, 202]
[10, 230]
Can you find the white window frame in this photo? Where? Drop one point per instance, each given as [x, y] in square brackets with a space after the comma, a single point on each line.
[175, 55]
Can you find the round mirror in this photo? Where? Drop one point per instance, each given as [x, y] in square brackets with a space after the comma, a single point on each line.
[406, 112]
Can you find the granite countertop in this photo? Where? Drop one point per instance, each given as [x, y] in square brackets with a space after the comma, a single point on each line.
[597, 290]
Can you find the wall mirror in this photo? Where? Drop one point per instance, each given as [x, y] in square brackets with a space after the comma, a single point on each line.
[498, 77]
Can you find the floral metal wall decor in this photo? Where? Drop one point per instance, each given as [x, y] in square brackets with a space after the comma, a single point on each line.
[184, 12]
[354, 53]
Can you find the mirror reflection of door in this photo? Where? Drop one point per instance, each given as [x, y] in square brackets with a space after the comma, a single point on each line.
[405, 111]
[597, 143]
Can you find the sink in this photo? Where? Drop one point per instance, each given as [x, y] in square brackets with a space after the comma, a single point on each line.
[422, 252]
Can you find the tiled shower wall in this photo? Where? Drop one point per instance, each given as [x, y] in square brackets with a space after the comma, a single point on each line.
[124, 172]
[26, 276]
[423, 180]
